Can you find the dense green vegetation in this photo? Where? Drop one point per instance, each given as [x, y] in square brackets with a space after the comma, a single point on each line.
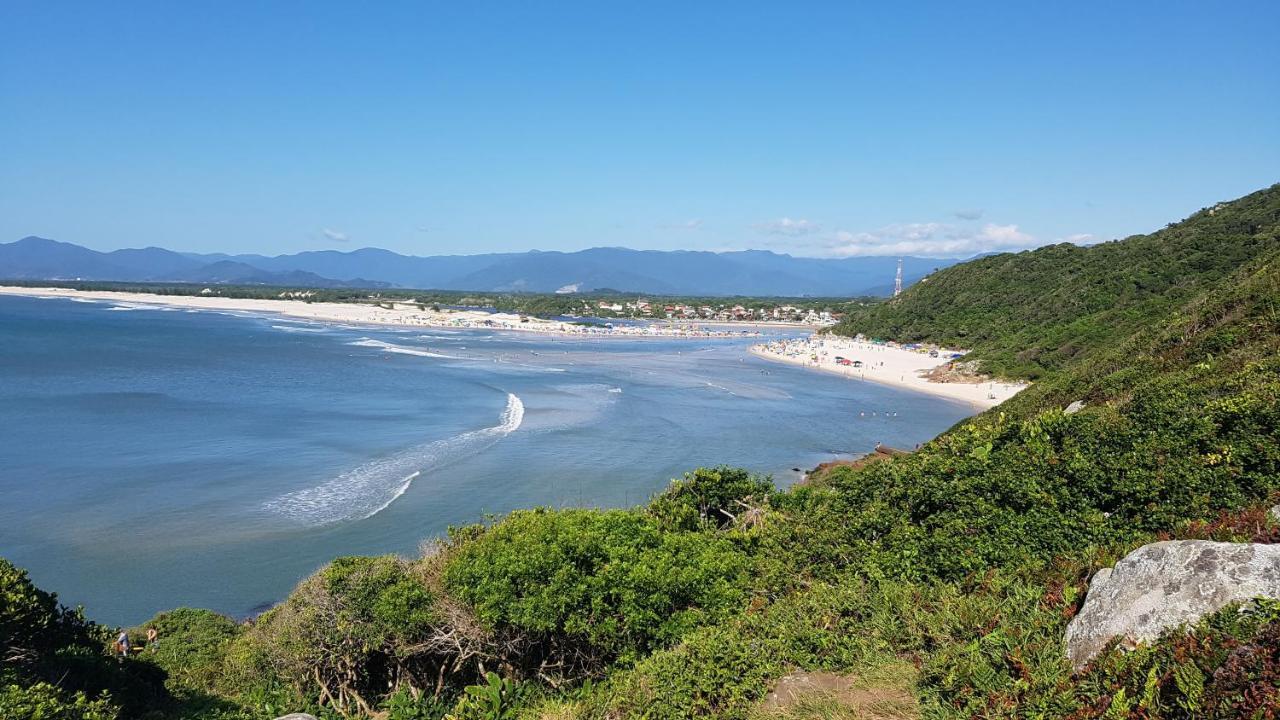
[602, 586]
[940, 582]
[1023, 314]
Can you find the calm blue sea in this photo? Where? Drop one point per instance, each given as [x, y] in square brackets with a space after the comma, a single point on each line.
[151, 458]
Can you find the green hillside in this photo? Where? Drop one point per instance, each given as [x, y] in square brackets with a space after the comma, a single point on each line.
[1025, 313]
[936, 584]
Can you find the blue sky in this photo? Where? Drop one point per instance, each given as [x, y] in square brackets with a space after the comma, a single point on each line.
[813, 128]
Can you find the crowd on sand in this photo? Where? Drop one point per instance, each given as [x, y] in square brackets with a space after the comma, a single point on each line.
[890, 363]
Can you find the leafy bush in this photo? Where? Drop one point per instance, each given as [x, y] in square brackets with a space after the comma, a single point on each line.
[495, 699]
[191, 645]
[596, 585]
[712, 498]
[33, 626]
[43, 701]
[402, 705]
[352, 632]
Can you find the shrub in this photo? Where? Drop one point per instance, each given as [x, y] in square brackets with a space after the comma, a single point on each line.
[497, 698]
[191, 645]
[595, 585]
[33, 626]
[42, 701]
[352, 632]
[710, 498]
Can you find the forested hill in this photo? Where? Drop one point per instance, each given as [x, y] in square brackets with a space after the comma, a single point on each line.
[1025, 313]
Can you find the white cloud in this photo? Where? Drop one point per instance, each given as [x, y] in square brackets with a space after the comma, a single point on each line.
[692, 224]
[928, 240]
[1005, 235]
[788, 226]
[335, 235]
[1078, 239]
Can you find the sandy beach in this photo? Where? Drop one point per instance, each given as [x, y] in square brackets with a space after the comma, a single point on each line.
[387, 313]
[887, 364]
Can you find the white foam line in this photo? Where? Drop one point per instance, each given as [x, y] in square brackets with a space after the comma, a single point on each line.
[396, 496]
[295, 328]
[400, 349]
[127, 307]
[719, 387]
[369, 489]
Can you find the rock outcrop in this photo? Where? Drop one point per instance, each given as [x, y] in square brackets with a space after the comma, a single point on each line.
[1166, 584]
[881, 452]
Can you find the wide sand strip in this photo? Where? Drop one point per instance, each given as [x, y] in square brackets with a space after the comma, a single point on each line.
[399, 314]
[887, 364]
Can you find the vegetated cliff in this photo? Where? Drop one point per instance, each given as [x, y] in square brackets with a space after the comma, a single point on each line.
[949, 574]
[1026, 313]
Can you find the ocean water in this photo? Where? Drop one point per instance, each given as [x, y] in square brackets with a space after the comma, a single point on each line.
[152, 458]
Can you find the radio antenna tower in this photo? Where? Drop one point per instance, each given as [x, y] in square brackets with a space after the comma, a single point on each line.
[897, 280]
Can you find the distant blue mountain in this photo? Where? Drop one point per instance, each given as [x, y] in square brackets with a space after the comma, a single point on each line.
[37, 258]
[154, 261]
[750, 272]
[34, 258]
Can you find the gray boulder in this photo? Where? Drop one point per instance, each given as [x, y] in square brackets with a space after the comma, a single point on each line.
[1275, 513]
[1166, 584]
[1074, 407]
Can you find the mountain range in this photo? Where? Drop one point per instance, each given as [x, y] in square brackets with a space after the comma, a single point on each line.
[747, 272]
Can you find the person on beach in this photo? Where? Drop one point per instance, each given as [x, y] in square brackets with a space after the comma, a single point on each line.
[122, 643]
[153, 639]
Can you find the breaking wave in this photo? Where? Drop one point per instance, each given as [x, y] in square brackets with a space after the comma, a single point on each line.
[126, 307]
[371, 488]
[401, 349]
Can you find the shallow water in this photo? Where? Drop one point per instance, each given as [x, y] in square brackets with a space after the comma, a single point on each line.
[152, 458]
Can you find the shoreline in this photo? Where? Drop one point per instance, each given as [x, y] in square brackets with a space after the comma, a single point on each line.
[885, 364]
[881, 362]
[400, 314]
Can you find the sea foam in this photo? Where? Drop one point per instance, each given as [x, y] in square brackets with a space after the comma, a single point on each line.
[401, 349]
[369, 489]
